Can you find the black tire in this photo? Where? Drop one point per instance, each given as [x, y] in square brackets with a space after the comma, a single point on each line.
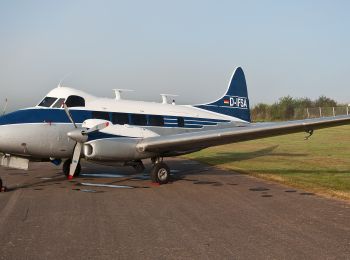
[66, 167]
[0, 185]
[160, 173]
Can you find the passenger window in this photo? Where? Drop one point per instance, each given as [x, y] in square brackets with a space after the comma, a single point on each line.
[138, 119]
[120, 118]
[180, 122]
[75, 101]
[59, 103]
[100, 115]
[156, 120]
[47, 102]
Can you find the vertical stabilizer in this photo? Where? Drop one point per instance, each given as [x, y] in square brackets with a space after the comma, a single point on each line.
[235, 102]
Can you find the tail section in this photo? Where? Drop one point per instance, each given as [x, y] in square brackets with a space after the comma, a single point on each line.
[235, 102]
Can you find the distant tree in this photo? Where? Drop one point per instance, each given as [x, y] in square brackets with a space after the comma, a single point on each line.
[275, 112]
[286, 107]
[261, 112]
[300, 106]
[303, 102]
[324, 101]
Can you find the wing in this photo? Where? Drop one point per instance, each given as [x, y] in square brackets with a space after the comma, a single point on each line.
[198, 140]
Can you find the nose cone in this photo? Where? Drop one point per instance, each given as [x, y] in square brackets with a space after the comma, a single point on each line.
[77, 136]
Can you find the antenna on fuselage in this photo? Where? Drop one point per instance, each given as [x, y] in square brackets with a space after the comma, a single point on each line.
[64, 77]
[118, 92]
[166, 96]
[5, 107]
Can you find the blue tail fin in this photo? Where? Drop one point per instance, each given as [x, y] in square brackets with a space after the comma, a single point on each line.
[235, 102]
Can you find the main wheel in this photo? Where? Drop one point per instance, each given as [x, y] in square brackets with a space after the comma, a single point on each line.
[160, 173]
[66, 167]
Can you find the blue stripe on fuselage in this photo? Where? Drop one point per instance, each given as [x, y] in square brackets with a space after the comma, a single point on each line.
[100, 135]
[49, 115]
[39, 115]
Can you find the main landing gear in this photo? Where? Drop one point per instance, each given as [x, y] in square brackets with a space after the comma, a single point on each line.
[160, 172]
[66, 167]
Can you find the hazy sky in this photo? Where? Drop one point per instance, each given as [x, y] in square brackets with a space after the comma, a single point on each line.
[189, 48]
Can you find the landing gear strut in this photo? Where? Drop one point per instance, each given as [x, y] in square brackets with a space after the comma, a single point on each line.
[138, 166]
[160, 172]
[66, 167]
[2, 188]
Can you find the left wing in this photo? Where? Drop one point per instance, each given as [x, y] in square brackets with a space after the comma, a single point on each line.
[203, 139]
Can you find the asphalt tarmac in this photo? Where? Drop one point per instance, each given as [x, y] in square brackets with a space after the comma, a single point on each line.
[205, 213]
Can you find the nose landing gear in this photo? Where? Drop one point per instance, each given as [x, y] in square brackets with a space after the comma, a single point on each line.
[138, 166]
[66, 167]
[2, 188]
[160, 172]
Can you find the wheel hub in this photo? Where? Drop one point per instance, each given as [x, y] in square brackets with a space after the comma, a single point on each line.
[162, 174]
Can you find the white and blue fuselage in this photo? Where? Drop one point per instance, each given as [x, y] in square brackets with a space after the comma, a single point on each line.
[69, 123]
[40, 132]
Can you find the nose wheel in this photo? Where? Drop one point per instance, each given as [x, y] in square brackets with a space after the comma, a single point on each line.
[66, 168]
[160, 173]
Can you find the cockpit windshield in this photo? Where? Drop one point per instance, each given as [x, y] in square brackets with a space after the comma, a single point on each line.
[59, 103]
[55, 102]
[47, 102]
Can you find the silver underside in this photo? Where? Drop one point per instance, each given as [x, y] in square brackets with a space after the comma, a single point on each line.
[49, 140]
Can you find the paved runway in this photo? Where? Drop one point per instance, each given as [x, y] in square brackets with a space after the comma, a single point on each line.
[205, 213]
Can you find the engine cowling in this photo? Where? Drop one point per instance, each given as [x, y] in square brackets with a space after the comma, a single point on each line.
[114, 149]
[119, 144]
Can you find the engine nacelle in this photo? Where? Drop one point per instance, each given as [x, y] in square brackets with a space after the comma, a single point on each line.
[114, 149]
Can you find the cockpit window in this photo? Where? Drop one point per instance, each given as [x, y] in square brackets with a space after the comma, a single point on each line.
[75, 101]
[47, 102]
[59, 103]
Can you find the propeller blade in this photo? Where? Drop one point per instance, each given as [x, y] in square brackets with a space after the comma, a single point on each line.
[95, 128]
[69, 114]
[80, 136]
[75, 159]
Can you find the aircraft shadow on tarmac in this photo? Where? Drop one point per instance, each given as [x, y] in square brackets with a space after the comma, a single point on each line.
[111, 179]
[90, 179]
[79, 184]
[291, 171]
[234, 156]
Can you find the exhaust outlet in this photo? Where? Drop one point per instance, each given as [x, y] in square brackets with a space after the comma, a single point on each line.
[88, 150]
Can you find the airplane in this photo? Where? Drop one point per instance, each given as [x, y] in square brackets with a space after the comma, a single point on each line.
[69, 125]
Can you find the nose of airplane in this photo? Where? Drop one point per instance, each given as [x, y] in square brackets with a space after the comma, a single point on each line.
[2, 137]
[7, 137]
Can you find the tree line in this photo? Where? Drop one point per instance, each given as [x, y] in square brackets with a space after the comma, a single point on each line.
[289, 108]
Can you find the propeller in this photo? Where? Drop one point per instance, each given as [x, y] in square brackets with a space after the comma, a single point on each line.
[80, 135]
[69, 115]
[5, 107]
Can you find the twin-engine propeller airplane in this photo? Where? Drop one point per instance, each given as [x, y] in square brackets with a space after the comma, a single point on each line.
[69, 125]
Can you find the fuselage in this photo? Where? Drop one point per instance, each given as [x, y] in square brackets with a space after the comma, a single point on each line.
[40, 132]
